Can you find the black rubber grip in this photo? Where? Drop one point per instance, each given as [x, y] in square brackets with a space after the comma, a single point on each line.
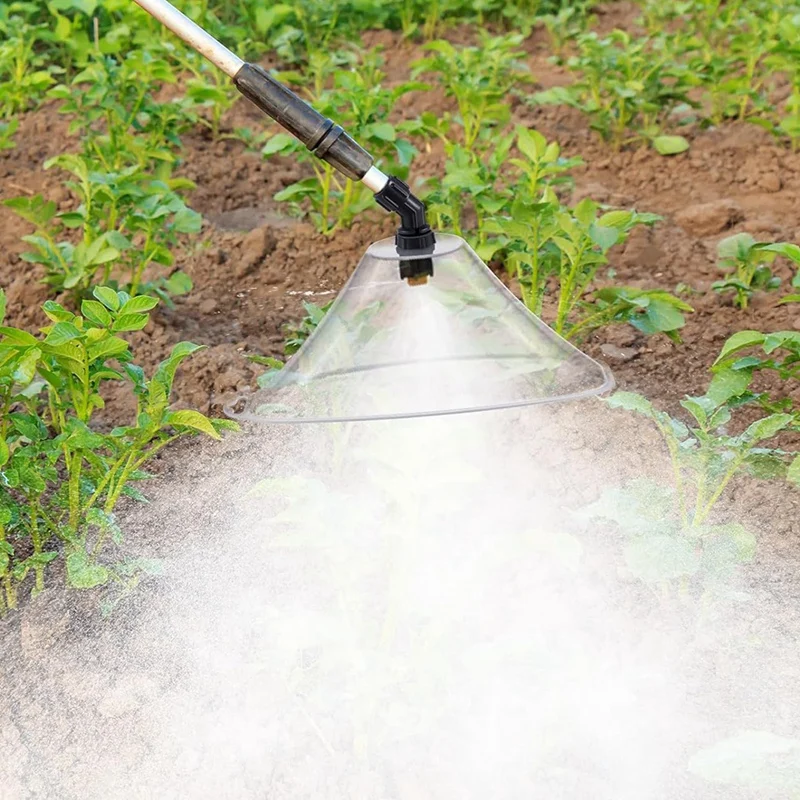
[320, 135]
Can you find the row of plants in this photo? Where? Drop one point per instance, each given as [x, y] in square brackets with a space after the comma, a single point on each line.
[695, 62]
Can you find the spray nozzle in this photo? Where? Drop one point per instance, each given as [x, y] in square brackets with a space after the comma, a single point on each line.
[414, 236]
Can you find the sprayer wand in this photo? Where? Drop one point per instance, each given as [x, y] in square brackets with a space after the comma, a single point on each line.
[321, 136]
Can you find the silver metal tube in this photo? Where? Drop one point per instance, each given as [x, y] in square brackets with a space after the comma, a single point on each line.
[193, 35]
[374, 179]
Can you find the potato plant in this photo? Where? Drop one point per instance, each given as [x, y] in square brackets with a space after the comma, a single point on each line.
[112, 108]
[550, 247]
[749, 264]
[744, 356]
[473, 192]
[25, 74]
[127, 220]
[671, 535]
[480, 79]
[62, 477]
[627, 87]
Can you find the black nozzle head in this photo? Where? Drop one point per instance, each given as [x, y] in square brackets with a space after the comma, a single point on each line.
[416, 270]
[414, 236]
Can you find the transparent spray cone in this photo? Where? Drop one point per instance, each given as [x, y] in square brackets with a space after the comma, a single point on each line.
[456, 343]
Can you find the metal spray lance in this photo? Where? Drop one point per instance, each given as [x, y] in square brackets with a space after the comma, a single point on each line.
[322, 136]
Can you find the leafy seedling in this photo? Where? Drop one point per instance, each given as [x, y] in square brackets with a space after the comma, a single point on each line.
[63, 477]
[749, 265]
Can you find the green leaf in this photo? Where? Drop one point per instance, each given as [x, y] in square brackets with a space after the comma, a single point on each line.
[653, 559]
[25, 370]
[82, 573]
[277, 143]
[107, 296]
[130, 322]
[767, 427]
[137, 305]
[194, 420]
[728, 383]
[630, 401]
[5, 454]
[740, 341]
[107, 347]
[726, 546]
[61, 333]
[670, 145]
[268, 17]
[531, 143]
[604, 237]
[178, 283]
[2, 306]
[57, 312]
[793, 473]
[13, 337]
[382, 130]
[785, 249]
[96, 312]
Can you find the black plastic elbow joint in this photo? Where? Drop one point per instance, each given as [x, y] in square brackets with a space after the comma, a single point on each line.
[414, 236]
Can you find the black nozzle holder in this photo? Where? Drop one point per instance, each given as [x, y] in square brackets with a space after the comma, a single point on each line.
[321, 136]
[414, 236]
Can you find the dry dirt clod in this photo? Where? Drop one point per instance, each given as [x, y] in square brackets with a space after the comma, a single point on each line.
[770, 182]
[708, 219]
[256, 246]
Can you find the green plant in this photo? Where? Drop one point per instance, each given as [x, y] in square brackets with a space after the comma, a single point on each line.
[113, 110]
[566, 25]
[23, 75]
[669, 536]
[128, 220]
[480, 79]
[361, 103]
[470, 193]
[61, 478]
[474, 191]
[7, 131]
[783, 58]
[749, 263]
[297, 334]
[545, 242]
[625, 85]
[739, 363]
[210, 91]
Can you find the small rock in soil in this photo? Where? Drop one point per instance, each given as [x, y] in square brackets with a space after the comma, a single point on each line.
[707, 219]
[621, 354]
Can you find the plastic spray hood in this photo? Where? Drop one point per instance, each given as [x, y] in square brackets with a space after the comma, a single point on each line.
[458, 342]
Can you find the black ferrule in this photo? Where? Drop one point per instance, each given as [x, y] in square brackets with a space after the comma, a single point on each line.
[320, 135]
